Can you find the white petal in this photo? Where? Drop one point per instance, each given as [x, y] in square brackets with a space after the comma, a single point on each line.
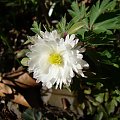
[71, 72]
[72, 37]
[79, 66]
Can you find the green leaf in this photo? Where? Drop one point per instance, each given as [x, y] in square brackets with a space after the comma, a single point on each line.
[24, 61]
[99, 97]
[36, 28]
[98, 116]
[90, 108]
[11, 4]
[116, 65]
[82, 32]
[106, 96]
[98, 85]
[84, 29]
[82, 106]
[106, 25]
[22, 53]
[118, 99]
[61, 26]
[93, 101]
[31, 114]
[117, 92]
[31, 39]
[79, 22]
[106, 53]
[99, 9]
[77, 12]
[111, 106]
[74, 28]
[114, 118]
[100, 109]
[94, 13]
[87, 91]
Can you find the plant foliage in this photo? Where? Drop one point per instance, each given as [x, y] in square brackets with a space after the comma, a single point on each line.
[98, 28]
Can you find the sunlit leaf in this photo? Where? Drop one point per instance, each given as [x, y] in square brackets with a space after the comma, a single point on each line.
[100, 97]
[99, 85]
[24, 61]
[61, 26]
[4, 89]
[107, 25]
[90, 108]
[100, 8]
[77, 12]
[36, 28]
[87, 91]
[111, 106]
[75, 27]
[21, 53]
[106, 53]
[106, 96]
[19, 99]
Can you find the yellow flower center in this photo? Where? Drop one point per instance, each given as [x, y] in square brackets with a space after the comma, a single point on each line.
[55, 58]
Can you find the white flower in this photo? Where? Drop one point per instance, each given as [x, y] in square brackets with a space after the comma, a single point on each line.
[53, 60]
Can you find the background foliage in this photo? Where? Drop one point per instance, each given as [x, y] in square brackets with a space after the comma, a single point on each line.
[96, 24]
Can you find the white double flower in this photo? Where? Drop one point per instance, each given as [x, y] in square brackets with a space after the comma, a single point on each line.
[53, 60]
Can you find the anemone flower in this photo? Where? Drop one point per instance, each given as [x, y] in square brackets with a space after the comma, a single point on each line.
[55, 60]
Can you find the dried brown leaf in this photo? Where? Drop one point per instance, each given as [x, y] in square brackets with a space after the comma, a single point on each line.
[20, 100]
[24, 81]
[14, 73]
[8, 82]
[4, 89]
